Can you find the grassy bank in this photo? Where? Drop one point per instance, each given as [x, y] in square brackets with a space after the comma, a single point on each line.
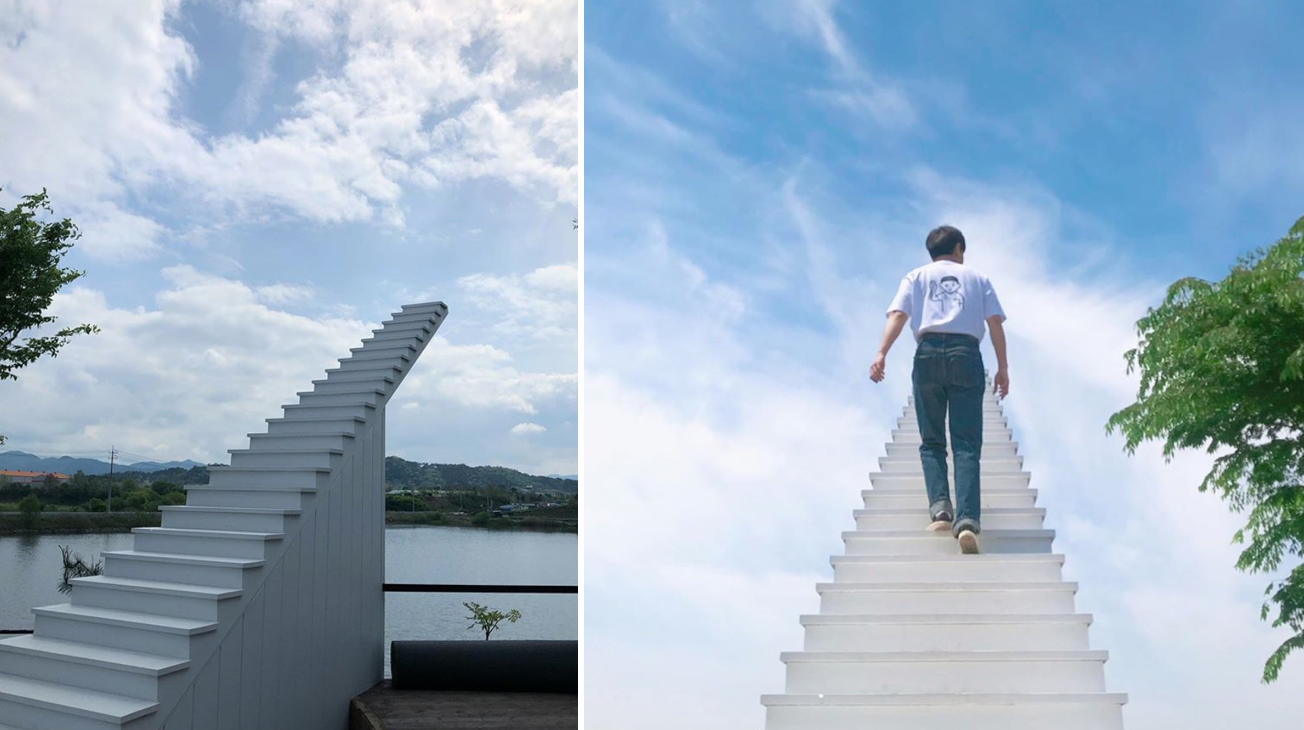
[56, 523]
[529, 522]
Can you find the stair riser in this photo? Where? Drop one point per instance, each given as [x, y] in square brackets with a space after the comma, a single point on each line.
[259, 443]
[202, 575]
[192, 545]
[183, 606]
[948, 637]
[1084, 716]
[232, 521]
[346, 425]
[39, 718]
[990, 421]
[322, 399]
[121, 637]
[955, 571]
[337, 411]
[933, 545]
[920, 521]
[249, 498]
[84, 676]
[887, 499]
[991, 451]
[389, 357]
[998, 677]
[274, 458]
[258, 480]
[915, 481]
[913, 465]
[911, 436]
[409, 335]
[1004, 602]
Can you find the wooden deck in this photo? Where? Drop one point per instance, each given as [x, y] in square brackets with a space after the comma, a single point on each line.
[384, 708]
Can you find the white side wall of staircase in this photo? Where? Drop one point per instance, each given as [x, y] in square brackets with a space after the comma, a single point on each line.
[259, 602]
[913, 635]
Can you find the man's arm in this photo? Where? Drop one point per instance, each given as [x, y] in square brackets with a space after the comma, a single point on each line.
[895, 321]
[1000, 383]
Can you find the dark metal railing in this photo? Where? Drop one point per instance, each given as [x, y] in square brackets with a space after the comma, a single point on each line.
[475, 588]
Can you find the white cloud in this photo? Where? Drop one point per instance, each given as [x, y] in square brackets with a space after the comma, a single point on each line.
[426, 93]
[527, 429]
[541, 305]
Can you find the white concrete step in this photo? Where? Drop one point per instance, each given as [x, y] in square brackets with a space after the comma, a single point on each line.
[325, 387]
[134, 631]
[38, 705]
[918, 519]
[322, 458]
[402, 358]
[914, 482]
[142, 596]
[997, 568]
[330, 410]
[914, 495]
[946, 632]
[237, 519]
[179, 568]
[1045, 711]
[354, 375]
[915, 464]
[265, 477]
[417, 335]
[87, 666]
[386, 346]
[946, 598]
[337, 441]
[435, 310]
[294, 498]
[407, 324]
[990, 420]
[998, 450]
[207, 543]
[1005, 672]
[911, 435]
[375, 396]
[311, 424]
[919, 542]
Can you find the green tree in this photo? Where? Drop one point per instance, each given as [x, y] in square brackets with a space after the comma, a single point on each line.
[1222, 368]
[96, 505]
[480, 519]
[30, 507]
[487, 619]
[31, 250]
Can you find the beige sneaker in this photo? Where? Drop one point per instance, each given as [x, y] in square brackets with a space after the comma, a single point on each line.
[968, 542]
[940, 526]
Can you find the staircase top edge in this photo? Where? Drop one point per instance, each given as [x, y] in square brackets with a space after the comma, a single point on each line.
[419, 305]
[273, 469]
[210, 487]
[957, 558]
[1086, 655]
[942, 535]
[376, 391]
[235, 510]
[946, 618]
[1105, 698]
[300, 434]
[333, 452]
[947, 587]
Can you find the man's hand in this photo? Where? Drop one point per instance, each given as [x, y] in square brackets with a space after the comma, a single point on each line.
[1001, 384]
[876, 370]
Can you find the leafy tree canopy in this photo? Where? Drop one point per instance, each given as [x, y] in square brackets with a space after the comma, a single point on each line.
[1222, 368]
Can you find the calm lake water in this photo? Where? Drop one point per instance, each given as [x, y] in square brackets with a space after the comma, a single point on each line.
[30, 567]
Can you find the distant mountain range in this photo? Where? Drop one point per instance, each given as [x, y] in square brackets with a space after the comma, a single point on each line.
[23, 461]
[572, 477]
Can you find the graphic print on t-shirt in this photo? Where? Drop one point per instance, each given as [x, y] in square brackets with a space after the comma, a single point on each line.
[948, 294]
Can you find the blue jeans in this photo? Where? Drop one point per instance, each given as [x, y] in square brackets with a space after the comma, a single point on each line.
[948, 374]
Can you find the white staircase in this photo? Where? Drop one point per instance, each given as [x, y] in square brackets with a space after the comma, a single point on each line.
[259, 602]
[913, 635]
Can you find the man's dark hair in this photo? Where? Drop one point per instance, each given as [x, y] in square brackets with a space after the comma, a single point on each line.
[942, 241]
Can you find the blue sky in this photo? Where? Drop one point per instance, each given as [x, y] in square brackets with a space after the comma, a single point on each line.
[259, 183]
[758, 178]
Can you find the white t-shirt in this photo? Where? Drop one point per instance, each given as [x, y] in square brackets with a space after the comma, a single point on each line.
[947, 297]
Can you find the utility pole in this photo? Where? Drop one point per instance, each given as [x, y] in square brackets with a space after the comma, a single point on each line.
[113, 455]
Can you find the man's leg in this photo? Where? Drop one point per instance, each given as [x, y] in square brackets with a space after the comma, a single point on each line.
[965, 386]
[930, 410]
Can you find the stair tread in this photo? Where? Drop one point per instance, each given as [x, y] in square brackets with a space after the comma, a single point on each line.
[1031, 698]
[1083, 655]
[103, 656]
[332, 451]
[186, 559]
[229, 488]
[235, 510]
[957, 558]
[377, 391]
[946, 618]
[929, 535]
[909, 511]
[155, 586]
[297, 434]
[134, 619]
[74, 700]
[957, 586]
[273, 469]
[222, 534]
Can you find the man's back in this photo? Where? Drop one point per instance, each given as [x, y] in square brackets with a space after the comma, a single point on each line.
[947, 297]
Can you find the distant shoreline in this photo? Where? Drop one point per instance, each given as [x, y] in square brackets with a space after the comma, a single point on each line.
[73, 523]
